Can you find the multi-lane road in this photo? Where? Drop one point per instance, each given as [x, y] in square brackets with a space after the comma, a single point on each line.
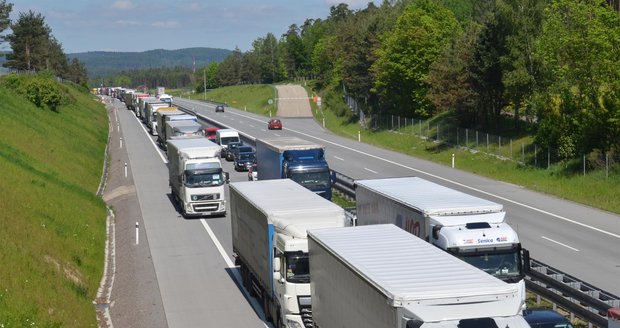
[573, 238]
[193, 260]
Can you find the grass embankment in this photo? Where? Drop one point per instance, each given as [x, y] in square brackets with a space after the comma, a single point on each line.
[252, 98]
[593, 188]
[52, 225]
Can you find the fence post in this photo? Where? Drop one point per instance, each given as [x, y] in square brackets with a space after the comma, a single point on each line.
[584, 165]
[399, 123]
[510, 148]
[437, 131]
[466, 137]
[457, 136]
[535, 156]
[487, 142]
[606, 165]
[523, 153]
[499, 147]
[420, 125]
[392, 123]
[476, 138]
[548, 158]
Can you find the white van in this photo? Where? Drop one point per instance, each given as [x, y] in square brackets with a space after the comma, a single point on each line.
[225, 136]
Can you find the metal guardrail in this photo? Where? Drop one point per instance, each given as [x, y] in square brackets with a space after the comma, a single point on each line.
[579, 298]
[585, 301]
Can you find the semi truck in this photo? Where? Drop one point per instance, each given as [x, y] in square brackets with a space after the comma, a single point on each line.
[270, 220]
[139, 110]
[196, 177]
[380, 276]
[149, 117]
[183, 129]
[470, 228]
[152, 121]
[172, 115]
[297, 159]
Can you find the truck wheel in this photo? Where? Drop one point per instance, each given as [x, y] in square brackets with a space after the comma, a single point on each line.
[278, 321]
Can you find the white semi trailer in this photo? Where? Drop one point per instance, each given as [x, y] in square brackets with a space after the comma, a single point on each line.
[466, 226]
[380, 276]
[270, 220]
[196, 177]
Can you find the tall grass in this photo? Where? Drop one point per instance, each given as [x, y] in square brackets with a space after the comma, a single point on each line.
[52, 226]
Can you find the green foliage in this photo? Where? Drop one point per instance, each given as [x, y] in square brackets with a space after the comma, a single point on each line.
[50, 168]
[5, 22]
[421, 34]
[579, 47]
[39, 89]
[102, 64]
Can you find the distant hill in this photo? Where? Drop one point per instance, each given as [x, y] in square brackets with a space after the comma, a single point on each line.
[104, 63]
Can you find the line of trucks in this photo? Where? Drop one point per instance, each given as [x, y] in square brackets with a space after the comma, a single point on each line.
[284, 222]
[307, 268]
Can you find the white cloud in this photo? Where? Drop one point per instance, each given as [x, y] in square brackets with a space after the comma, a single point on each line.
[127, 23]
[165, 24]
[123, 5]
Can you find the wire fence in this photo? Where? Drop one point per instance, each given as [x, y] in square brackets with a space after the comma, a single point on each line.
[517, 150]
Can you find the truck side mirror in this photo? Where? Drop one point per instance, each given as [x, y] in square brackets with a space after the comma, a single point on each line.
[277, 265]
[278, 277]
[436, 230]
[526, 261]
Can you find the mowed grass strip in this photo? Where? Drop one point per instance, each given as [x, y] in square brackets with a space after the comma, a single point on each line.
[52, 228]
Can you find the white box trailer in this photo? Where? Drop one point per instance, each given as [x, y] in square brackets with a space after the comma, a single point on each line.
[196, 177]
[471, 228]
[270, 220]
[166, 116]
[380, 276]
[184, 129]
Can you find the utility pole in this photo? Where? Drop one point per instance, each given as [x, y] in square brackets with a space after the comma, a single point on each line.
[204, 81]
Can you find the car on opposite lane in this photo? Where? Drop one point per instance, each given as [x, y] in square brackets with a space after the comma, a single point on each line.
[219, 108]
[545, 318]
[274, 124]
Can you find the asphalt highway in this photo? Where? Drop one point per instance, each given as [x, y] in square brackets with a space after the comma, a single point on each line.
[577, 239]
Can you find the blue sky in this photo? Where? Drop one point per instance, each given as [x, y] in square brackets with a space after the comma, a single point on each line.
[139, 25]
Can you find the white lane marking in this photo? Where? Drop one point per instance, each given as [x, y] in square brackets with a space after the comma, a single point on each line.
[338, 158]
[252, 126]
[559, 243]
[277, 135]
[257, 307]
[148, 135]
[611, 234]
[369, 170]
[217, 243]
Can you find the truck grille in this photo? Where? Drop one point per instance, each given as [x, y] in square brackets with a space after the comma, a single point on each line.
[208, 207]
[206, 197]
[306, 315]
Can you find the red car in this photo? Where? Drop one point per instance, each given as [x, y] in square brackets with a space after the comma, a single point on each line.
[274, 124]
[210, 133]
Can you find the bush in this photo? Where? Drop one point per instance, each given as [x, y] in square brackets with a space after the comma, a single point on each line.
[42, 91]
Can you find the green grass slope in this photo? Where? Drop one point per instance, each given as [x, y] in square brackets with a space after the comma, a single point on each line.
[52, 225]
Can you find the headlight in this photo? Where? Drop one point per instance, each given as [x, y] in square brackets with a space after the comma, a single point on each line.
[292, 324]
[194, 197]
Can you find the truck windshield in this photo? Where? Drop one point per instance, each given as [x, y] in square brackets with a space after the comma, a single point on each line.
[312, 180]
[227, 140]
[297, 268]
[504, 265]
[200, 179]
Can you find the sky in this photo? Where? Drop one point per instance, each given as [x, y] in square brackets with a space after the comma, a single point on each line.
[140, 25]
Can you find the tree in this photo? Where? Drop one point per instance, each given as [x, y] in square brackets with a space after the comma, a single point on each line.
[76, 72]
[29, 42]
[579, 48]
[523, 19]
[420, 35]
[5, 22]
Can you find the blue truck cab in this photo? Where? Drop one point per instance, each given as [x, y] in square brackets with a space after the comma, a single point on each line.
[296, 159]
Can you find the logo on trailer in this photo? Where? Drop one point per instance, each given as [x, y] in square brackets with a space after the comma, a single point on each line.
[485, 241]
[501, 239]
[468, 241]
[410, 225]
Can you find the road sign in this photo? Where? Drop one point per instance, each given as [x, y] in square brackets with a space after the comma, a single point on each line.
[318, 101]
[270, 101]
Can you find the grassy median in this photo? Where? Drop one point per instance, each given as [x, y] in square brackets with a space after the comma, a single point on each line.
[52, 227]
